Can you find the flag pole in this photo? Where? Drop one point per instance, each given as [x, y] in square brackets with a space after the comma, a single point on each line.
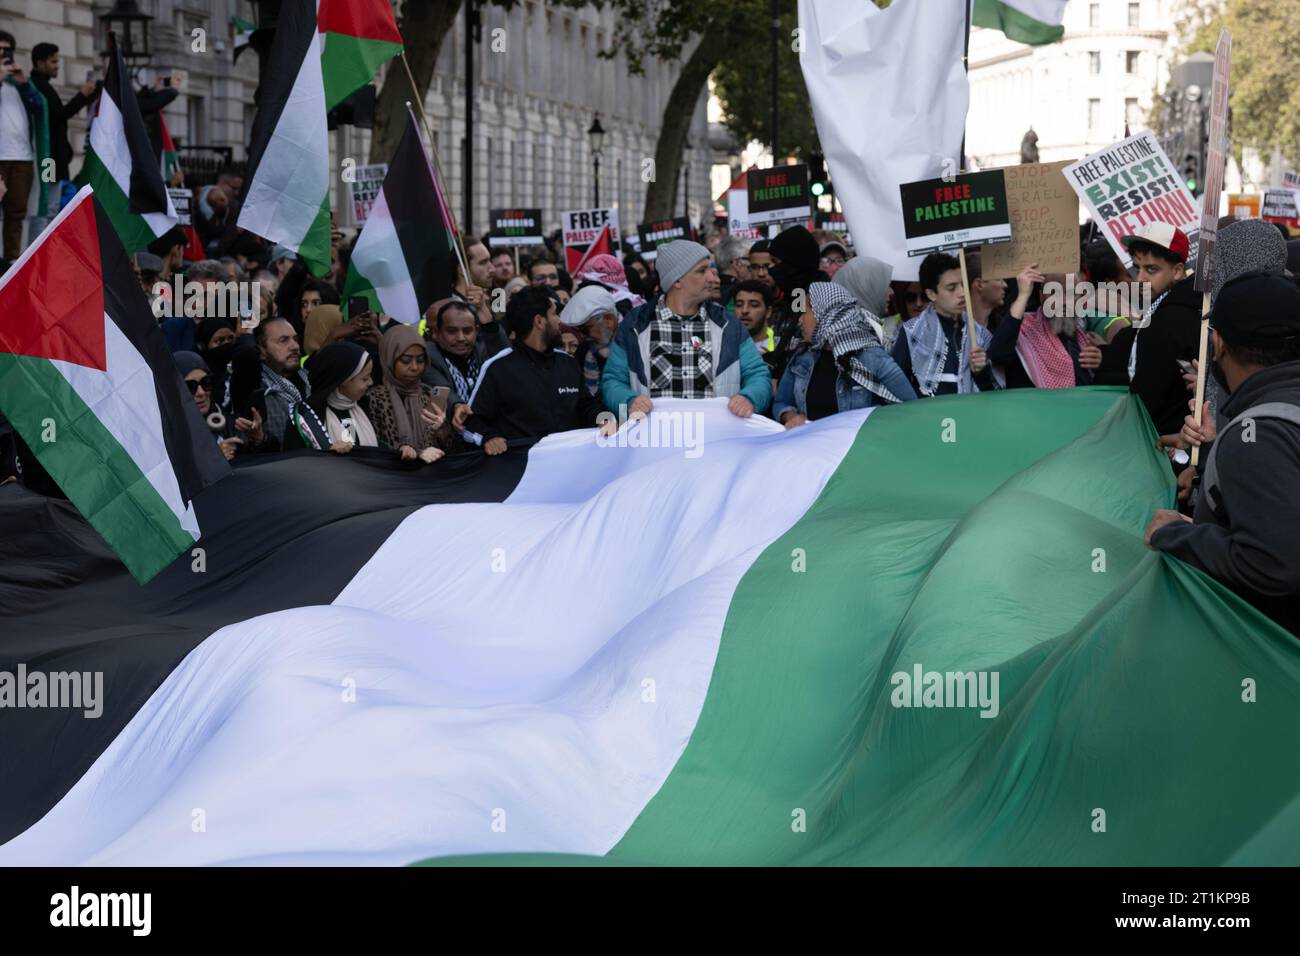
[961, 253]
[437, 167]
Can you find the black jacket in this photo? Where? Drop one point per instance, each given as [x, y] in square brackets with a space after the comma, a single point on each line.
[523, 393]
[59, 114]
[491, 340]
[1251, 542]
[1174, 333]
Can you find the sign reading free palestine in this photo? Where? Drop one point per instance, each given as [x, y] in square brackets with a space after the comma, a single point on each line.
[966, 210]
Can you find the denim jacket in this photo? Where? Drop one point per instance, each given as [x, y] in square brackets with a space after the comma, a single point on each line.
[792, 393]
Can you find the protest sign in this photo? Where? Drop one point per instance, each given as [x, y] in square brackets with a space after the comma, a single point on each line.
[1243, 205]
[1280, 205]
[831, 222]
[652, 235]
[1291, 180]
[364, 189]
[1044, 213]
[1216, 158]
[965, 210]
[778, 194]
[581, 227]
[516, 227]
[1130, 184]
[183, 200]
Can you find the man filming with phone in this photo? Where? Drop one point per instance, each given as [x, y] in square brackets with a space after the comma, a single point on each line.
[20, 115]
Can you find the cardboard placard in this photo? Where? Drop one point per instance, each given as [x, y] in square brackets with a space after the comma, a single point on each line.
[581, 227]
[1044, 214]
[966, 210]
[1130, 184]
[363, 190]
[1243, 205]
[652, 235]
[183, 200]
[778, 194]
[516, 227]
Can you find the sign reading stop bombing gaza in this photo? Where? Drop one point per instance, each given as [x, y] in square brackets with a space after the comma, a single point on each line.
[516, 227]
[966, 210]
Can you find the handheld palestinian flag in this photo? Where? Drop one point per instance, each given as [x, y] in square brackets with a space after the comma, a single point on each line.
[402, 261]
[603, 245]
[317, 60]
[122, 167]
[45, 189]
[1033, 22]
[169, 162]
[87, 381]
[359, 36]
[243, 35]
[796, 656]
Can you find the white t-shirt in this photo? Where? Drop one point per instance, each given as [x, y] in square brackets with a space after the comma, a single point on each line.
[15, 130]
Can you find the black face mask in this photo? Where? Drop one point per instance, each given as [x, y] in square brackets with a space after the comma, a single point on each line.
[219, 356]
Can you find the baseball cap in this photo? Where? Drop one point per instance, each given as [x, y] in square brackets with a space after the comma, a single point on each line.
[1161, 234]
[589, 302]
[1257, 309]
[835, 244]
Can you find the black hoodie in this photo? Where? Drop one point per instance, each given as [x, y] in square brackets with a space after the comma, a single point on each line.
[1251, 542]
[1174, 333]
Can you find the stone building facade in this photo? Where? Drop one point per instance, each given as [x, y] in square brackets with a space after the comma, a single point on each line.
[536, 94]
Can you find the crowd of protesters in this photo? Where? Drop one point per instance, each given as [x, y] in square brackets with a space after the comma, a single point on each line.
[796, 327]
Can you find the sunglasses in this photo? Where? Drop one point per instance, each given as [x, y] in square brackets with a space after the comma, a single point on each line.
[195, 384]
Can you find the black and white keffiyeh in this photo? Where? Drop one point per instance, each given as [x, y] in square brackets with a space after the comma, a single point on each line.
[846, 329]
[929, 349]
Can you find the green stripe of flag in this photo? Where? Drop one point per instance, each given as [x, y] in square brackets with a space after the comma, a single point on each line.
[92, 467]
[348, 63]
[1018, 26]
[1119, 688]
[131, 228]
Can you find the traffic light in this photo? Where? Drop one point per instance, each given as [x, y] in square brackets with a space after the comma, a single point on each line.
[1191, 170]
[818, 182]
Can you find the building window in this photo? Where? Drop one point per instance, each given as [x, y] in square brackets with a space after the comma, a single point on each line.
[1094, 114]
[1131, 62]
[1132, 115]
[1135, 14]
[1094, 63]
[1094, 15]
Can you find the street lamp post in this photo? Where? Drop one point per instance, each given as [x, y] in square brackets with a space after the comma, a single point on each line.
[596, 136]
[686, 177]
[130, 29]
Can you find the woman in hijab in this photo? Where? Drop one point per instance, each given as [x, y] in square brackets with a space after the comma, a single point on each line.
[319, 328]
[402, 408]
[199, 381]
[330, 418]
[867, 279]
[841, 363]
[216, 340]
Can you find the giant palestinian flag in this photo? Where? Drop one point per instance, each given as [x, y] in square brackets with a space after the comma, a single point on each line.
[402, 261]
[318, 58]
[122, 166]
[717, 642]
[88, 382]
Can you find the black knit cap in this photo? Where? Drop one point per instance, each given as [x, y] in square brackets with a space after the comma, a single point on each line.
[1257, 309]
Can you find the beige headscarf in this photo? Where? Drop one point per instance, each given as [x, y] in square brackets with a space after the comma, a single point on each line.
[407, 400]
[321, 321]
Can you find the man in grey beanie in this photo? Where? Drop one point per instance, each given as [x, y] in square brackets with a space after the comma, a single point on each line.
[683, 344]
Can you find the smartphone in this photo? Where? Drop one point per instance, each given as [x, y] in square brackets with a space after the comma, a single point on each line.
[358, 305]
[256, 400]
[439, 398]
[1186, 366]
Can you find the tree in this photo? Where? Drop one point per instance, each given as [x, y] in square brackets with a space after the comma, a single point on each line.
[743, 83]
[430, 21]
[1265, 45]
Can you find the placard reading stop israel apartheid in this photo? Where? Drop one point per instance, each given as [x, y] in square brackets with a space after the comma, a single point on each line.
[516, 227]
[966, 210]
[1044, 223]
[778, 194]
[652, 235]
[1131, 184]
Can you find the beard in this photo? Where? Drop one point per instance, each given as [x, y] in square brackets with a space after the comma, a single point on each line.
[1066, 325]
